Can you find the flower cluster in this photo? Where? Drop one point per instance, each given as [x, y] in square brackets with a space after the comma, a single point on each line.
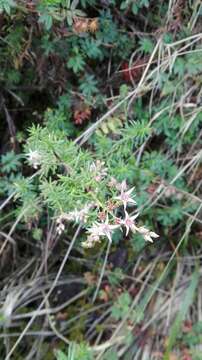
[98, 170]
[105, 221]
[106, 229]
[147, 234]
[34, 158]
[99, 230]
[78, 216]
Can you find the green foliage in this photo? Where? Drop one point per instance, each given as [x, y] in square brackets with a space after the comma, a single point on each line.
[60, 355]
[26, 195]
[7, 5]
[135, 6]
[85, 3]
[130, 135]
[111, 354]
[10, 171]
[58, 120]
[193, 337]
[189, 295]
[56, 157]
[115, 277]
[108, 32]
[170, 216]
[110, 126]
[56, 81]
[171, 126]
[193, 340]
[76, 62]
[58, 10]
[92, 48]
[10, 162]
[75, 352]
[146, 45]
[88, 86]
[121, 307]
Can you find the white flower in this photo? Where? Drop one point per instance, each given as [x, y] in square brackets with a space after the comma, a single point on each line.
[113, 183]
[98, 170]
[60, 228]
[103, 229]
[125, 196]
[76, 215]
[122, 186]
[59, 225]
[34, 158]
[90, 242]
[147, 234]
[129, 223]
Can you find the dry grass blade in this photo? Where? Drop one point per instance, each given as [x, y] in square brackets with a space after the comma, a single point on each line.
[47, 295]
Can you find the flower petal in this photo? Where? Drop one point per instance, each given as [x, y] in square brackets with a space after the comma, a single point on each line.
[153, 234]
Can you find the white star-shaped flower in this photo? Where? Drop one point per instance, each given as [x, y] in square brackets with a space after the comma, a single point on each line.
[125, 197]
[103, 229]
[129, 223]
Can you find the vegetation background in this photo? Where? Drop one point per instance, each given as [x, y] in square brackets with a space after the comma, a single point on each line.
[94, 95]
